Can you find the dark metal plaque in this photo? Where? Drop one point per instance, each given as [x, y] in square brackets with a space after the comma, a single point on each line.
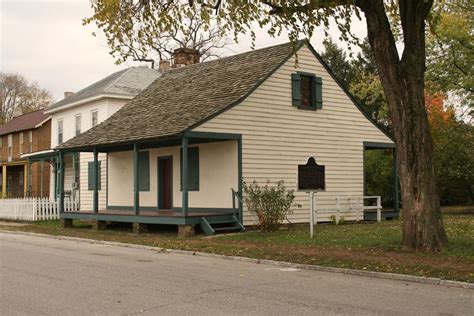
[311, 176]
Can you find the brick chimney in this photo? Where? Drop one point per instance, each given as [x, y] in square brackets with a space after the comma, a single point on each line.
[164, 66]
[68, 94]
[185, 56]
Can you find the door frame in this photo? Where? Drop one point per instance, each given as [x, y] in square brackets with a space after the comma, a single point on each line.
[159, 176]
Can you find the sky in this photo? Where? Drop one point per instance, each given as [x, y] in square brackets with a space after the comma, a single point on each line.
[45, 41]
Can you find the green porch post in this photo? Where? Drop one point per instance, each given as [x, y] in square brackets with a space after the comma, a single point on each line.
[396, 203]
[136, 192]
[95, 204]
[61, 182]
[239, 152]
[184, 176]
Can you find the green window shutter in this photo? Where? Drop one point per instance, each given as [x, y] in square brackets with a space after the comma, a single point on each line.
[144, 171]
[193, 168]
[296, 89]
[91, 175]
[318, 87]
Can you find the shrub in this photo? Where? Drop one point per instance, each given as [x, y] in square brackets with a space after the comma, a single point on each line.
[271, 203]
[342, 220]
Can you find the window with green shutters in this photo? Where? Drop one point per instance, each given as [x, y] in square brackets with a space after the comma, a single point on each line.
[91, 175]
[307, 91]
[193, 168]
[144, 171]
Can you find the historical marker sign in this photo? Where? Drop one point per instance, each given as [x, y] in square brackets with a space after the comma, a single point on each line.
[311, 176]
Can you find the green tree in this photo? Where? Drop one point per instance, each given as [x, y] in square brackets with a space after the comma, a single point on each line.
[450, 50]
[402, 76]
[337, 60]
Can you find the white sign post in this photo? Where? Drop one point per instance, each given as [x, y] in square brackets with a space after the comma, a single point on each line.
[312, 213]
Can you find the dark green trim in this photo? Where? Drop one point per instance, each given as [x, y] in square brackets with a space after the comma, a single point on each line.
[206, 227]
[136, 192]
[361, 109]
[211, 135]
[396, 183]
[96, 182]
[159, 179]
[297, 46]
[378, 145]
[184, 176]
[61, 182]
[166, 220]
[144, 171]
[193, 168]
[129, 208]
[240, 178]
[206, 209]
[91, 175]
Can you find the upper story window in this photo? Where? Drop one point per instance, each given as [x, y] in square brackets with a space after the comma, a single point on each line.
[77, 123]
[94, 118]
[60, 132]
[307, 91]
[1, 141]
[10, 147]
[21, 143]
[30, 141]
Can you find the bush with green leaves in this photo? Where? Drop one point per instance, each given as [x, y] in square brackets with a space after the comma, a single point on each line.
[271, 203]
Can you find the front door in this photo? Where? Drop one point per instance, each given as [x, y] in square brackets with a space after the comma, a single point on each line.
[165, 183]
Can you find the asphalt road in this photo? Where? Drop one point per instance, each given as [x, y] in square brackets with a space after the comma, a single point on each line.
[40, 276]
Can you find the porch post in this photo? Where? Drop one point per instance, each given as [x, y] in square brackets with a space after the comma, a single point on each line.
[184, 176]
[4, 181]
[136, 192]
[239, 153]
[26, 176]
[41, 177]
[396, 203]
[61, 182]
[96, 182]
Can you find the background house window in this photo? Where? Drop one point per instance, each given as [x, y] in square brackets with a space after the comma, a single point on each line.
[306, 90]
[10, 147]
[91, 175]
[60, 132]
[94, 118]
[1, 141]
[78, 124]
[21, 143]
[30, 141]
[193, 168]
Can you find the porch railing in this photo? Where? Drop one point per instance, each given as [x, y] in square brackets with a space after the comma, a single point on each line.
[34, 209]
[236, 195]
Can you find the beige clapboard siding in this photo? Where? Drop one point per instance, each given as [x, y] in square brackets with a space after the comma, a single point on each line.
[86, 196]
[277, 137]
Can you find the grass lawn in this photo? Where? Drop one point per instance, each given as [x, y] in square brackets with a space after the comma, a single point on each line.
[364, 246]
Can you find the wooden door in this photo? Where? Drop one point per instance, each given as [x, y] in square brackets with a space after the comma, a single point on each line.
[165, 183]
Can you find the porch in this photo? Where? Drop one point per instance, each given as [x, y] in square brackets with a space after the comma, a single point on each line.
[193, 179]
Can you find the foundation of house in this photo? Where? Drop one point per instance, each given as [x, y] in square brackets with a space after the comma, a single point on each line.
[65, 222]
[186, 230]
[139, 228]
[99, 225]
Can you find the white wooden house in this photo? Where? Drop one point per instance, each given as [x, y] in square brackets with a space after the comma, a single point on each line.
[77, 113]
[177, 150]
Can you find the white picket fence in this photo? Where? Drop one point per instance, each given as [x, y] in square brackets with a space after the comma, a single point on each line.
[34, 209]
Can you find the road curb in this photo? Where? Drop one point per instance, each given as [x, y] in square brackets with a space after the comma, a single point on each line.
[380, 275]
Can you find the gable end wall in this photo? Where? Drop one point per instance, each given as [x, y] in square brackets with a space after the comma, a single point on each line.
[277, 137]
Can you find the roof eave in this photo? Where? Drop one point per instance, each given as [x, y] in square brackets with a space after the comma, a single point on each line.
[88, 100]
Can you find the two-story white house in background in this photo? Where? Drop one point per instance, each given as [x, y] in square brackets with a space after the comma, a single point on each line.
[80, 111]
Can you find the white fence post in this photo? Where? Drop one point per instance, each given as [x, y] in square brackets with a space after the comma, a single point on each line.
[379, 209]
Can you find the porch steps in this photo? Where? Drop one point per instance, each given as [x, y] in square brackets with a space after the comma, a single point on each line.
[212, 226]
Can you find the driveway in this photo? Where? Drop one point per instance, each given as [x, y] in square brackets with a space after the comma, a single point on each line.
[43, 276]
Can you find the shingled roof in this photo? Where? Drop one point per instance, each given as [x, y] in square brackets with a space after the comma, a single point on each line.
[183, 98]
[128, 82]
[24, 122]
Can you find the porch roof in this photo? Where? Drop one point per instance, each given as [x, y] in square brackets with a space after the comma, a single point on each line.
[184, 98]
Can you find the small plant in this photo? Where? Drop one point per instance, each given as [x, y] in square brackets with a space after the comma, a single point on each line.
[271, 204]
[342, 220]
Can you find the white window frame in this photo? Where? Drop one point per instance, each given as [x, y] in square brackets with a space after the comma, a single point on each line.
[60, 123]
[21, 143]
[77, 127]
[10, 147]
[30, 141]
[96, 112]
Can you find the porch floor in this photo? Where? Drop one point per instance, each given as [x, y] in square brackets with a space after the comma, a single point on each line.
[156, 213]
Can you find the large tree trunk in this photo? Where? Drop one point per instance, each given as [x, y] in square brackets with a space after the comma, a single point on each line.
[403, 83]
